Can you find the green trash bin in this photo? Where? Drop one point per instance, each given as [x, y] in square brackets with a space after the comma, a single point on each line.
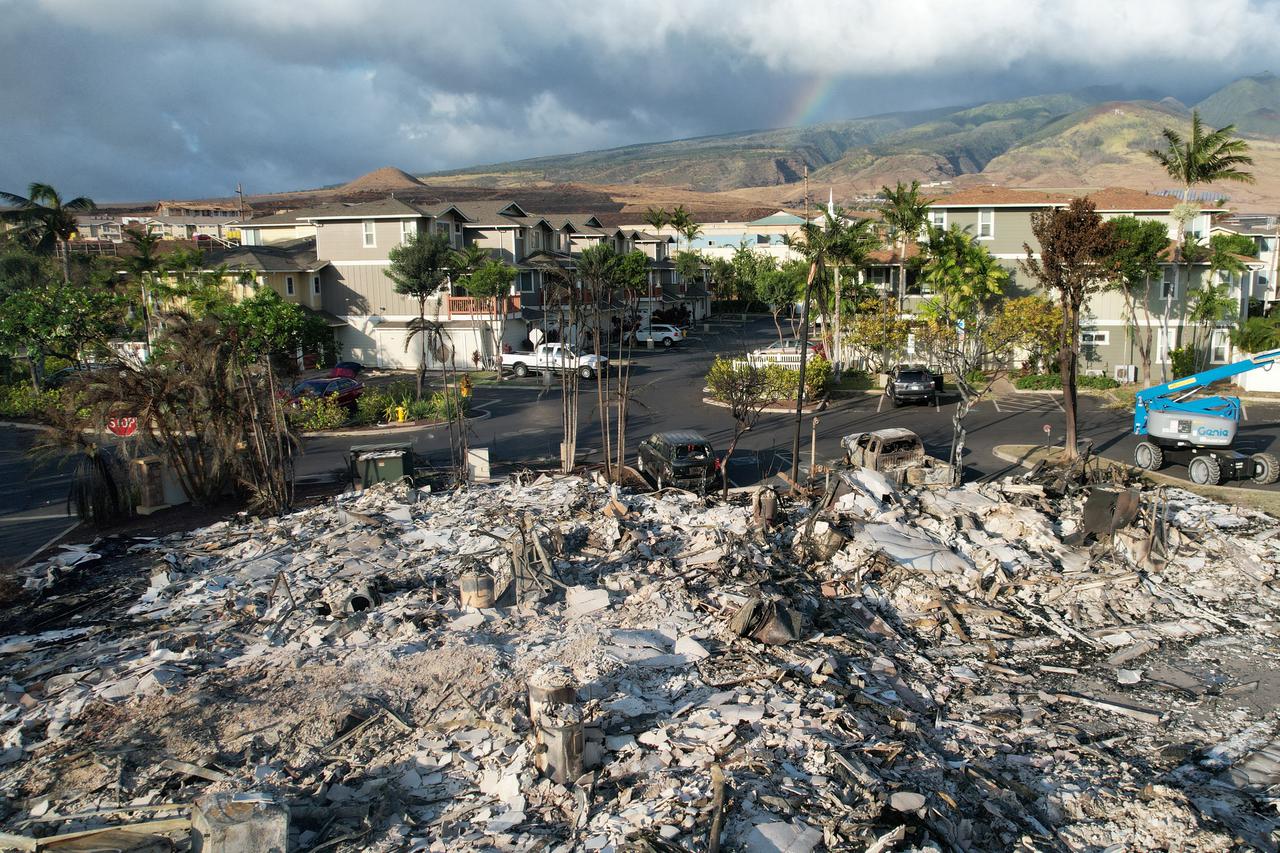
[382, 463]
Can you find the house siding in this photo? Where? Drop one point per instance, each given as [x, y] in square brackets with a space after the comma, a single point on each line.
[343, 240]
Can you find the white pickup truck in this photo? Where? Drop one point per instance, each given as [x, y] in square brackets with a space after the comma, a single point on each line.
[553, 357]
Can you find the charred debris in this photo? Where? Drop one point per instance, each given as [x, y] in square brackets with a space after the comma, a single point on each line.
[549, 664]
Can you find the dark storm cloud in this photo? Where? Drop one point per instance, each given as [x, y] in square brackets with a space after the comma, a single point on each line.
[143, 99]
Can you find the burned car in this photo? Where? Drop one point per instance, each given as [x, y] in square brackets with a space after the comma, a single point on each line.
[898, 454]
[683, 459]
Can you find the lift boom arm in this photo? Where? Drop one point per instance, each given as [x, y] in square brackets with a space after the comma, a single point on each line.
[1171, 395]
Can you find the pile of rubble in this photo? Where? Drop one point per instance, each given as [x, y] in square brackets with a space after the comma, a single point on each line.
[548, 665]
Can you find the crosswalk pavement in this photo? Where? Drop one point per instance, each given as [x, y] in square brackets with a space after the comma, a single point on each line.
[1016, 402]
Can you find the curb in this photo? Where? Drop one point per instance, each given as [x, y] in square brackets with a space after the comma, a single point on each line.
[23, 425]
[388, 430]
[821, 406]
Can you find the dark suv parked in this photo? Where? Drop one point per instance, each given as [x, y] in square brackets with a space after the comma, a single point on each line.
[912, 383]
[683, 459]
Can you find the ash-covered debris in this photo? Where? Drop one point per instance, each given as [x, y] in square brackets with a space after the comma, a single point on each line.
[880, 669]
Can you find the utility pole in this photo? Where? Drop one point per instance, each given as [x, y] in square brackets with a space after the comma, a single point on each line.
[240, 195]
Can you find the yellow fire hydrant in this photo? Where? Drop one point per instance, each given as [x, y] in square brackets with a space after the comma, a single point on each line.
[464, 386]
[401, 414]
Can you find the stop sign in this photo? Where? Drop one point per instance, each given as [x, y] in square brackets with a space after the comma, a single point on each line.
[123, 427]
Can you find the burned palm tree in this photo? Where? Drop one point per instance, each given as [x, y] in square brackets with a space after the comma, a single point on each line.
[213, 417]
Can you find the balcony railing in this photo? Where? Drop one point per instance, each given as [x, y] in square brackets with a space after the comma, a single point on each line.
[471, 305]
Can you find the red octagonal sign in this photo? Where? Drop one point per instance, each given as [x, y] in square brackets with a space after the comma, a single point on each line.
[123, 427]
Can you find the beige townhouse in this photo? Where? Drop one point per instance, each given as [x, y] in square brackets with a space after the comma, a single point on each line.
[1000, 219]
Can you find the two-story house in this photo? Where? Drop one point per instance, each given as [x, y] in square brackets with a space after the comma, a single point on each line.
[1000, 219]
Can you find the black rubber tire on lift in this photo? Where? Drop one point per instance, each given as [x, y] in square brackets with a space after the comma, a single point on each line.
[1266, 468]
[1148, 456]
[520, 370]
[1204, 471]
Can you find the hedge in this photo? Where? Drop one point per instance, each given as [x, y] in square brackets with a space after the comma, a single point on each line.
[1053, 381]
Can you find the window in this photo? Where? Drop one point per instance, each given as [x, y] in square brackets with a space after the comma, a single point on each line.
[408, 228]
[315, 285]
[986, 223]
[369, 242]
[1169, 284]
[288, 285]
[1095, 339]
[1219, 346]
[938, 218]
[442, 228]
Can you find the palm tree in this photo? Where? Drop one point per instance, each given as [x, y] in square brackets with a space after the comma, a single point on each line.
[1202, 158]
[679, 219]
[691, 231]
[905, 213]
[838, 241]
[419, 268]
[657, 218]
[45, 220]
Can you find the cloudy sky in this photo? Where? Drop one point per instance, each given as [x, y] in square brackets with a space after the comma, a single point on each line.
[135, 99]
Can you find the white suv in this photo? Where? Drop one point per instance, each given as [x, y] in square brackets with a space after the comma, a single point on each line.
[665, 335]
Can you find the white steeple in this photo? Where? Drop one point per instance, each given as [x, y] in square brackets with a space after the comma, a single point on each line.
[831, 202]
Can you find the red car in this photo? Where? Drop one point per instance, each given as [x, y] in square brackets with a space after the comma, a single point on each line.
[347, 390]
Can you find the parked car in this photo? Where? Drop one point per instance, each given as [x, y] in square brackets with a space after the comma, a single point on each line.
[660, 334]
[347, 390]
[59, 378]
[553, 357]
[347, 369]
[682, 458]
[898, 454]
[789, 348]
[913, 383]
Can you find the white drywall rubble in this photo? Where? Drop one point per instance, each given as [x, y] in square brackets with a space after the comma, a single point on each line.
[962, 679]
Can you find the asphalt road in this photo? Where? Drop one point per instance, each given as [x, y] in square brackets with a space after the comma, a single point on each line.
[523, 428]
[524, 422]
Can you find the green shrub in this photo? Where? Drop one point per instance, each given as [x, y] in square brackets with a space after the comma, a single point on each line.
[445, 404]
[1052, 382]
[372, 407]
[420, 410]
[318, 413]
[21, 401]
[1184, 360]
[1038, 382]
[977, 378]
[1097, 383]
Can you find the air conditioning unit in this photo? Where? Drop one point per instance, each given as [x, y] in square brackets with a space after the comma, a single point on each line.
[1125, 373]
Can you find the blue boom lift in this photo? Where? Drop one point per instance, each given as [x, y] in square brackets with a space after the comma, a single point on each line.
[1173, 421]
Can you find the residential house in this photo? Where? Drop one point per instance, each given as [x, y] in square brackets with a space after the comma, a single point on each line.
[292, 269]
[99, 226]
[1000, 219]
[281, 227]
[1264, 230]
[206, 209]
[343, 253]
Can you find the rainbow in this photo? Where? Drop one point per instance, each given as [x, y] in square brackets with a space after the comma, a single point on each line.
[809, 104]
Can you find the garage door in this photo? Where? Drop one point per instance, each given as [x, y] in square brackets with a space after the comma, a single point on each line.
[391, 349]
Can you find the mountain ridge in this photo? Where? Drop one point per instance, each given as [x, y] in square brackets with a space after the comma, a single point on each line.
[1082, 135]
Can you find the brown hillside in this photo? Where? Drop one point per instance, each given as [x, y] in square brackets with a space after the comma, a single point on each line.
[386, 179]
